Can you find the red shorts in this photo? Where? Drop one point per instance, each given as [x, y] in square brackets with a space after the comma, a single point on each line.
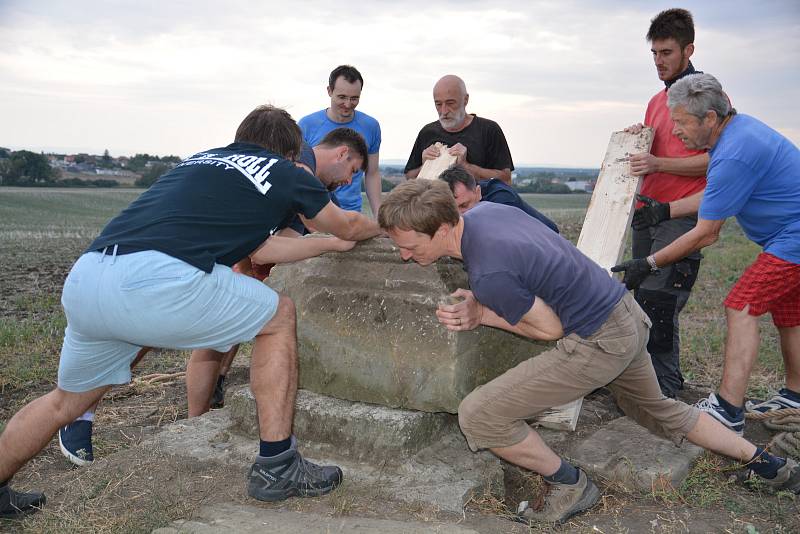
[772, 285]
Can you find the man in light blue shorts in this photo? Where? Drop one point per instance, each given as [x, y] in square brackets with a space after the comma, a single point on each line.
[160, 275]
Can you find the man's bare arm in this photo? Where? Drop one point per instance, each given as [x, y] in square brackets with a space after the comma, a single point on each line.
[645, 163]
[705, 233]
[280, 249]
[540, 322]
[685, 206]
[347, 225]
[372, 183]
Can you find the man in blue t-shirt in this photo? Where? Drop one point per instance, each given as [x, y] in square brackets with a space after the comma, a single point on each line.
[160, 275]
[531, 281]
[344, 89]
[754, 175]
[468, 193]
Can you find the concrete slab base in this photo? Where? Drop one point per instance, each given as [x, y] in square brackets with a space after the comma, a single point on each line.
[624, 452]
[443, 475]
[354, 430]
[228, 518]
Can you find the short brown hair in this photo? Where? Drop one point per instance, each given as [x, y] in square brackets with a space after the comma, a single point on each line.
[675, 23]
[272, 128]
[350, 138]
[418, 205]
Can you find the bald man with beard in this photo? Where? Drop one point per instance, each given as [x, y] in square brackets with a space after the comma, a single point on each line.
[478, 143]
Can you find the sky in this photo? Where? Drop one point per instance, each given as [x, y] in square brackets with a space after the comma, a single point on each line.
[177, 77]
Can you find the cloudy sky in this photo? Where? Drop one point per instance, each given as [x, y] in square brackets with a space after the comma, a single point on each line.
[558, 76]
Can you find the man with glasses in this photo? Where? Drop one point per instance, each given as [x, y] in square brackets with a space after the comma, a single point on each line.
[344, 89]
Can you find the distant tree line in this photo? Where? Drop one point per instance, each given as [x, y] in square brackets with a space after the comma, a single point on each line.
[26, 168]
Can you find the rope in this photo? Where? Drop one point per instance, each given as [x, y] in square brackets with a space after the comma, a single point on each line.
[772, 413]
[786, 444]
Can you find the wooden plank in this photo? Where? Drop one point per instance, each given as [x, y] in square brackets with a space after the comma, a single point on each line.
[432, 168]
[604, 229]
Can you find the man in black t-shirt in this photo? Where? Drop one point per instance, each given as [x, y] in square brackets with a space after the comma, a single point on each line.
[478, 143]
[160, 275]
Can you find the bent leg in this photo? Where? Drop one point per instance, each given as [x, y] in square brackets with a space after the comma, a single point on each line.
[29, 431]
[790, 348]
[201, 377]
[741, 351]
[273, 372]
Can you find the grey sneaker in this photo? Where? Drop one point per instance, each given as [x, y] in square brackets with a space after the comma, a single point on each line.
[290, 475]
[787, 479]
[563, 502]
[15, 504]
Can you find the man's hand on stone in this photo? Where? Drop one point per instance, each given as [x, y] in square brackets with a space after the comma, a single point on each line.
[643, 163]
[652, 213]
[464, 315]
[634, 128]
[341, 245]
[432, 152]
[460, 152]
[635, 272]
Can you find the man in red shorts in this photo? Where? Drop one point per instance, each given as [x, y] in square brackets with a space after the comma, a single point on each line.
[754, 175]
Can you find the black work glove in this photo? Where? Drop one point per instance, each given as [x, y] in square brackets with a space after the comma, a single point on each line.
[635, 272]
[653, 212]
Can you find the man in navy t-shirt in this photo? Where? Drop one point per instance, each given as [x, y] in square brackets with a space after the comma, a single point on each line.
[468, 193]
[528, 280]
[160, 275]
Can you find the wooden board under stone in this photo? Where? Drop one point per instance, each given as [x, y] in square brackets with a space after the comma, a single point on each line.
[432, 168]
[604, 229]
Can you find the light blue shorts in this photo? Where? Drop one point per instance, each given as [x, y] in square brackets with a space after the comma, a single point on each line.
[117, 304]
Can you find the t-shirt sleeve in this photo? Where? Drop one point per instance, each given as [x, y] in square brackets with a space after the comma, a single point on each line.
[500, 154]
[309, 194]
[415, 158]
[375, 144]
[730, 184]
[504, 294]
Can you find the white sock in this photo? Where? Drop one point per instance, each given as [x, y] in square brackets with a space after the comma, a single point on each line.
[88, 416]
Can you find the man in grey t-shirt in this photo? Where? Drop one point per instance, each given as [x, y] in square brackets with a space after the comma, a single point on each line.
[530, 281]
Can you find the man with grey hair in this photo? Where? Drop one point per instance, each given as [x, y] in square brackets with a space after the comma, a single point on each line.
[754, 175]
[478, 143]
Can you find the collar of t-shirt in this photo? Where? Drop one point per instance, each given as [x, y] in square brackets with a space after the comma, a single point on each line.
[689, 70]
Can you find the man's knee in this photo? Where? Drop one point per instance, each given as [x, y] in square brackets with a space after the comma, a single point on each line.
[468, 410]
[284, 318]
[66, 405]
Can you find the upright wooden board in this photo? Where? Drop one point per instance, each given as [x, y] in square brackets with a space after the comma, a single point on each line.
[432, 168]
[603, 234]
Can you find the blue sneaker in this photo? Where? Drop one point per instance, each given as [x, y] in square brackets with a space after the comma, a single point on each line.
[75, 440]
[779, 401]
[711, 406]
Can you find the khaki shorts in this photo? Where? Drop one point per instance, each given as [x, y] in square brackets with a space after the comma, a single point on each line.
[494, 415]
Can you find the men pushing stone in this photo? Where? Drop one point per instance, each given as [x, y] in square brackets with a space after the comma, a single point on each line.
[160, 275]
[530, 281]
[478, 144]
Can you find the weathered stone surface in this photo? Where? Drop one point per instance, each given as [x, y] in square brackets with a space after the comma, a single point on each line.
[229, 518]
[444, 475]
[353, 429]
[367, 330]
[625, 452]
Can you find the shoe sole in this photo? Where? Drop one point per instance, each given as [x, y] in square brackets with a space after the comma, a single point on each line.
[282, 495]
[77, 460]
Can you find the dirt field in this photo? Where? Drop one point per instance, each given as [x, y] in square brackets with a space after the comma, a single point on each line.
[43, 232]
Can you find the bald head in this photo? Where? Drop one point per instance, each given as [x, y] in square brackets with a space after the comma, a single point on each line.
[450, 98]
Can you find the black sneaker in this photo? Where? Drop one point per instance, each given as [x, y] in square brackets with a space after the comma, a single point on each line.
[75, 441]
[218, 398]
[779, 401]
[289, 475]
[712, 407]
[14, 504]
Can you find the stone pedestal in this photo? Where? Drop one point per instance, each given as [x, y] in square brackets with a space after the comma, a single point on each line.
[367, 330]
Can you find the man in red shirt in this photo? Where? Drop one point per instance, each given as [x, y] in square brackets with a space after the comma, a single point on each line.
[674, 178]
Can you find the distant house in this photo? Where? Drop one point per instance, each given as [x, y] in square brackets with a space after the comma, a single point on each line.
[584, 186]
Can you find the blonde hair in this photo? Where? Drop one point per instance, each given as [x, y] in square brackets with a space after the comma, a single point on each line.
[419, 205]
